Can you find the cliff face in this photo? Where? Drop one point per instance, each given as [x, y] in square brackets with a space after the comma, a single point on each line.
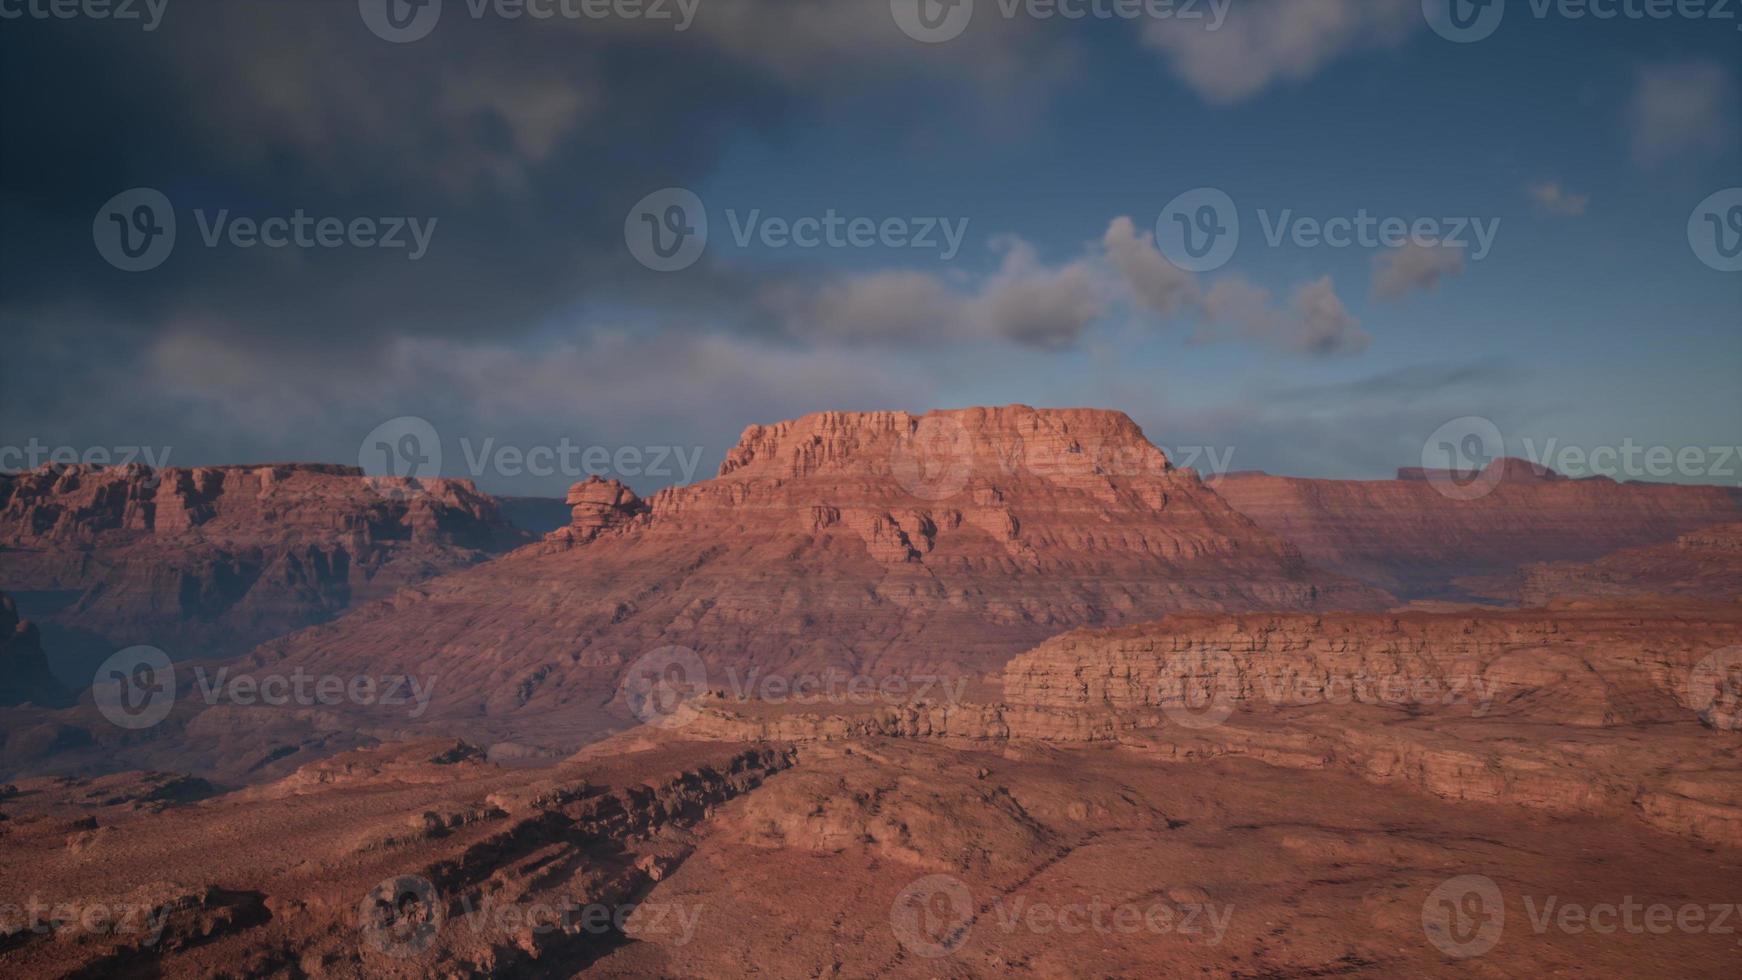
[210, 561]
[1489, 662]
[1406, 537]
[876, 543]
[1590, 710]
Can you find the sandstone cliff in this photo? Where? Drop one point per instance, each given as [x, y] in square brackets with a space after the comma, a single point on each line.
[1408, 538]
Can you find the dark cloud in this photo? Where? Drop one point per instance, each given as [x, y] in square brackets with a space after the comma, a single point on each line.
[526, 143]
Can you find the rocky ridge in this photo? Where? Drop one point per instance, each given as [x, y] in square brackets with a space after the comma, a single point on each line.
[1592, 711]
[212, 560]
[1702, 564]
[1409, 538]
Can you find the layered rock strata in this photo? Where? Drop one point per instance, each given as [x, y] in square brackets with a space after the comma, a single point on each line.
[878, 544]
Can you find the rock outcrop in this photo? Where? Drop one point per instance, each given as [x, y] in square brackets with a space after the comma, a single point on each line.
[596, 506]
[24, 674]
[1409, 538]
[210, 561]
[878, 543]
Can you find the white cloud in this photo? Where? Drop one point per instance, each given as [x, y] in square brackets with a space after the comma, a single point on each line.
[1315, 322]
[1157, 283]
[1681, 110]
[896, 305]
[1414, 267]
[1026, 302]
[1268, 41]
[1033, 304]
[1550, 196]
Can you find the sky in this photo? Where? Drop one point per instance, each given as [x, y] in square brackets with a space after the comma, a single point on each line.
[1044, 209]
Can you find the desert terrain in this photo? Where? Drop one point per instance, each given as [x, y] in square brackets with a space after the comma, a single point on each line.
[978, 693]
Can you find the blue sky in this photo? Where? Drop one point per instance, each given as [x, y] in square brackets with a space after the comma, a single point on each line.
[1590, 322]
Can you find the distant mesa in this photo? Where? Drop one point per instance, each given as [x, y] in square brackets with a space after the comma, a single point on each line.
[1408, 538]
[1505, 468]
[209, 561]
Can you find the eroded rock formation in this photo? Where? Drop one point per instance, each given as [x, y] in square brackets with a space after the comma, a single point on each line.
[209, 561]
[874, 543]
[24, 674]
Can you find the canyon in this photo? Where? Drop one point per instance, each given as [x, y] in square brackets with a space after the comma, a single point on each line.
[876, 543]
[1258, 795]
[984, 692]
